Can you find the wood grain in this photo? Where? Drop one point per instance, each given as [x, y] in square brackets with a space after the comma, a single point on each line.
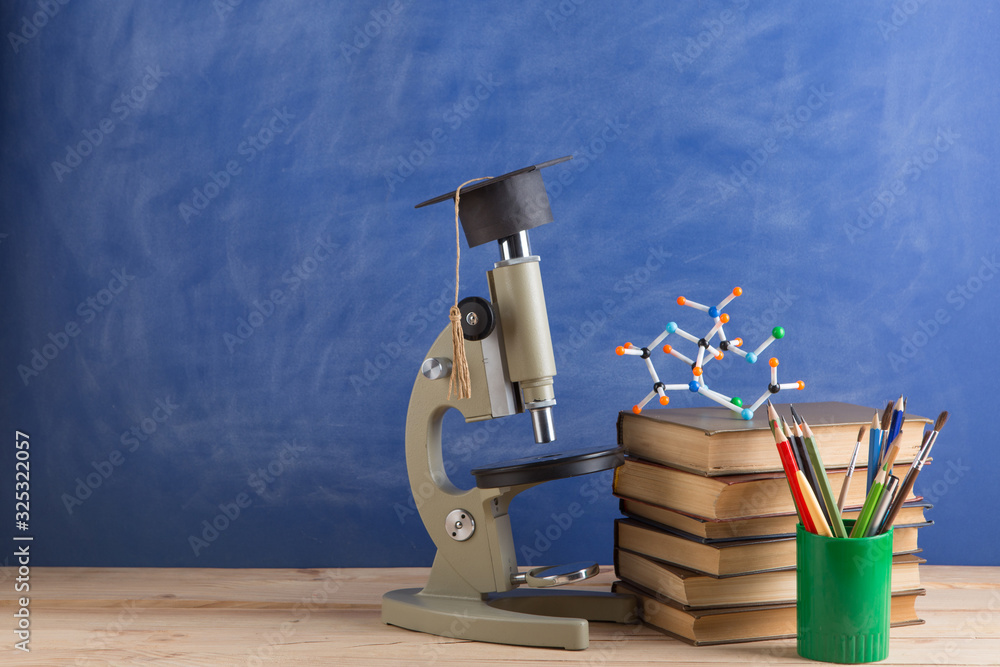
[90, 617]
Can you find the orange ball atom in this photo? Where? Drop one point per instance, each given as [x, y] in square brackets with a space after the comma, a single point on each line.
[636, 409]
[773, 362]
[664, 400]
[681, 300]
[697, 371]
[724, 318]
[737, 291]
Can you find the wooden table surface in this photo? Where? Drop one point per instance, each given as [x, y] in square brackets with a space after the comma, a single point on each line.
[90, 617]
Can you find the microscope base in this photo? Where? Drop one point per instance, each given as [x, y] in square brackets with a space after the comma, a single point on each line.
[544, 618]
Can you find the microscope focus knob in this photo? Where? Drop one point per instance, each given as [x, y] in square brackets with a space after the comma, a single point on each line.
[435, 368]
[478, 320]
[460, 525]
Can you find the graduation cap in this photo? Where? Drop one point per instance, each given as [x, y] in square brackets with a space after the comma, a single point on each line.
[503, 206]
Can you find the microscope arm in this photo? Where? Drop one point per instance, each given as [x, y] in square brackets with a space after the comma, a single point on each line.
[486, 560]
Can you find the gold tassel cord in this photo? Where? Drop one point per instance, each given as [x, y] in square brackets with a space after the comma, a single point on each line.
[460, 381]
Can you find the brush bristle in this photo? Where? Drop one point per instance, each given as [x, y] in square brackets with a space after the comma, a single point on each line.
[887, 416]
[942, 418]
[861, 433]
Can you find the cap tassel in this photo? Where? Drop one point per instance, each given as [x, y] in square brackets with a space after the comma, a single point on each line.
[460, 369]
[460, 381]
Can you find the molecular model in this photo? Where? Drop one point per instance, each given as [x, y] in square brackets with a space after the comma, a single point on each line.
[697, 385]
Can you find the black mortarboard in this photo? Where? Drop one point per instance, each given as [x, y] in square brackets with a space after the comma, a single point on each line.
[503, 206]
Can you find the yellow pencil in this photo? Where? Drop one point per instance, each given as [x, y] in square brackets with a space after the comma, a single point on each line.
[812, 506]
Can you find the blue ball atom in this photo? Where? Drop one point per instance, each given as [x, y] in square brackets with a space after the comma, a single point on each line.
[747, 414]
[671, 327]
[751, 357]
[713, 311]
[693, 386]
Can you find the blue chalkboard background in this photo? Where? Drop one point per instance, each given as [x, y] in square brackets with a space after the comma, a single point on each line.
[217, 292]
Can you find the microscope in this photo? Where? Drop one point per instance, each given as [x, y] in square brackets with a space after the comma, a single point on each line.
[476, 590]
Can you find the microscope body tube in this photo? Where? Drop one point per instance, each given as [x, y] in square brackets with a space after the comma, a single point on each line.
[516, 291]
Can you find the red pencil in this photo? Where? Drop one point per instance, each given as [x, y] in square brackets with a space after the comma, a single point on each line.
[788, 462]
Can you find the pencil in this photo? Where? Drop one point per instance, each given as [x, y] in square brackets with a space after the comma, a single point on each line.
[850, 472]
[808, 469]
[874, 440]
[825, 490]
[863, 524]
[822, 528]
[871, 501]
[895, 425]
[791, 470]
[791, 474]
[878, 516]
[890, 458]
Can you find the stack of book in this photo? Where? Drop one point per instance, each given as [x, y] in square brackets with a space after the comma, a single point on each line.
[708, 542]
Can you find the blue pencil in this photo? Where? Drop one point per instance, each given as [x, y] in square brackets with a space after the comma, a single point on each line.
[897, 421]
[874, 450]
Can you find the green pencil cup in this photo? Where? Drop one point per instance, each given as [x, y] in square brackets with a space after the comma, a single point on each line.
[844, 595]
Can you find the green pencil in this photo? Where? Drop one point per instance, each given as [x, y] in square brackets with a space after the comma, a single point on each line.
[874, 495]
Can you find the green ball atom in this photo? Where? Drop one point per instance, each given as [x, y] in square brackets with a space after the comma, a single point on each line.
[737, 401]
[778, 332]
